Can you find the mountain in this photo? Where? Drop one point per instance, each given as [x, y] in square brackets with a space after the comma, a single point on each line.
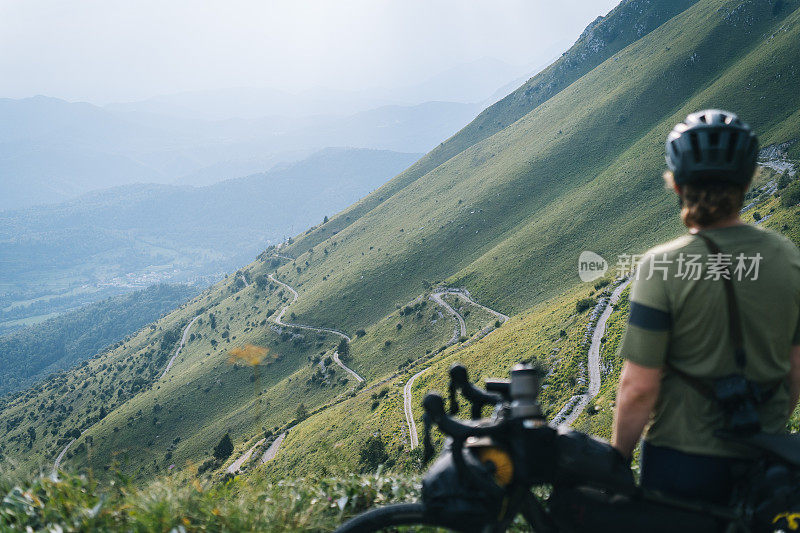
[570, 161]
[52, 150]
[469, 83]
[110, 241]
[58, 344]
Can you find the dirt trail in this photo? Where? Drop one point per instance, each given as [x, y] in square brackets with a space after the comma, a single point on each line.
[461, 326]
[575, 406]
[237, 464]
[279, 321]
[409, 411]
[57, 463]
[460, 331]
[184, 338]
[272, 451]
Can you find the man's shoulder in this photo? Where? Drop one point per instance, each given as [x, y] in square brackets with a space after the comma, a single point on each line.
[778, 239]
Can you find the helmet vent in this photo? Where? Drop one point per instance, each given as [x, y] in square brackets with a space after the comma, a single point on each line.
[698, 156]
[702, 119]
[729, 153]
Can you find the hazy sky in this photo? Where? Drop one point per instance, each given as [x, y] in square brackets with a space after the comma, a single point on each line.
[115, 50]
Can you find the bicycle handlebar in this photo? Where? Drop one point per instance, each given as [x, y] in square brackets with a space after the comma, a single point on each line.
[459, 431]
[459, 380]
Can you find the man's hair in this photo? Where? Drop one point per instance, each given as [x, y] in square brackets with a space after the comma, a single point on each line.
[707, 202]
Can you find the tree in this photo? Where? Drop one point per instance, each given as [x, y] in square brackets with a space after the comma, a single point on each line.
[325, 220]
[224, 449]
[302, 412]
[343, 348]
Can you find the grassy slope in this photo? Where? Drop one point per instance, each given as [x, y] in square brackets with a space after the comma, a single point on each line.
[518, 207]
[336, 434]
[626, 23]
[68, 339]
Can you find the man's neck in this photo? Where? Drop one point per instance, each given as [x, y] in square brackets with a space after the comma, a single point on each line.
[727, 223]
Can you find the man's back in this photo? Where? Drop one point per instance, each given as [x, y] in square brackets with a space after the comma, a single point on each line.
[679, 318]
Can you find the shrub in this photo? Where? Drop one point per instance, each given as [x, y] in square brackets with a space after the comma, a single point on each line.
[584, 303]
[372, 454]
[360, 333]
[602, 283]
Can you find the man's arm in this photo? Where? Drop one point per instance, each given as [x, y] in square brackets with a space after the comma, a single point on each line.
[794, 378]
[636, 398]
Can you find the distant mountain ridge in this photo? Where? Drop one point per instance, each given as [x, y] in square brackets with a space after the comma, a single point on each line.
[52, 150]
[138, 234]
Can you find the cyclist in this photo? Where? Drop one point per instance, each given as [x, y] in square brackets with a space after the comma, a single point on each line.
[679, 333]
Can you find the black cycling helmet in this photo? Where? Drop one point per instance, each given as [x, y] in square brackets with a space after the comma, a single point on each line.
[712, 145]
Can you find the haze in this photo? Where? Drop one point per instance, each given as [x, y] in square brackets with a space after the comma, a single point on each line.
[105, 51]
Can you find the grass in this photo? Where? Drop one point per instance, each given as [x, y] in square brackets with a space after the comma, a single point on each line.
[78, 504]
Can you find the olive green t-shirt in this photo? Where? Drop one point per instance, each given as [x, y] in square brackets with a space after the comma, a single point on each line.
[679, 314]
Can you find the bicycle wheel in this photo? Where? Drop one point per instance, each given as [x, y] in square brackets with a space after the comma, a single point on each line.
[391, 517]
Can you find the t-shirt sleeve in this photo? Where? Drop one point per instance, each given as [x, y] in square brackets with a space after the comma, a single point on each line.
[647, 333]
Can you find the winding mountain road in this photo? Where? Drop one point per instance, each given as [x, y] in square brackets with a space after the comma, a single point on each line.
[279, 321]
[57, 463]
[580, 402]
[237, 464]
[461, 326]
[409, 411]
[272, 451]
[184, 338]
[460, 331]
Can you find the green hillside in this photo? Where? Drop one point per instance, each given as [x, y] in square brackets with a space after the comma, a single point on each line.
[502, 209]
[516, 209]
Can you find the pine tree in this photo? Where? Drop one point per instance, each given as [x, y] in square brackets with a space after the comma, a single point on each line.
[343, 349]
[224, 449]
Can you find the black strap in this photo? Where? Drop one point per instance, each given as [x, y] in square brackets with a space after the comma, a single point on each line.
[734, 320]
[697, 384]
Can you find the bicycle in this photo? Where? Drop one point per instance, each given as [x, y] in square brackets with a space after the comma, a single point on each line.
[483, 478]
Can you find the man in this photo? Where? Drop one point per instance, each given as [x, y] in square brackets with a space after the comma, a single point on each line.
[679, 336]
